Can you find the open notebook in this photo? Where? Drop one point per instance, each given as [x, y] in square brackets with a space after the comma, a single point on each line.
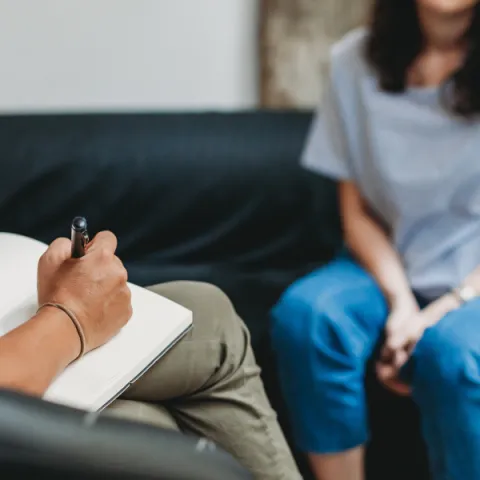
[99, 377]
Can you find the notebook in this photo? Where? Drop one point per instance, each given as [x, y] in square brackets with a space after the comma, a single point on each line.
[102, 375]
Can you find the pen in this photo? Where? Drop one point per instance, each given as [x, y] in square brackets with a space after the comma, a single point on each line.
[79, 237]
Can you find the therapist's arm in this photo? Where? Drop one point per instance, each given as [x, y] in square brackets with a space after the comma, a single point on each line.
[32, 355]
[94, 288]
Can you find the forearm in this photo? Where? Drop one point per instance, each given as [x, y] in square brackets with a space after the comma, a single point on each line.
[371, 246]
[32, 355]
[373, 249]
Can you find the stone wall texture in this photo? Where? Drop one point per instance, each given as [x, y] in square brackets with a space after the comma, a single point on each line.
[296, 36]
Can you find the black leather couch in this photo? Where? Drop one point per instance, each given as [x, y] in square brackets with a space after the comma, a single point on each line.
[212, 197]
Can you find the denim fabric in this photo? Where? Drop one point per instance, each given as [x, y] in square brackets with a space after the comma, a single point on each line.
[325, 328]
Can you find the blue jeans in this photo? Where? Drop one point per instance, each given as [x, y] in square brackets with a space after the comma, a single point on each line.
[326, 327]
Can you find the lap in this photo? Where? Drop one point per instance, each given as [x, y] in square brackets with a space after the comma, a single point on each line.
[186, 366]
[450, 347]
[459, 328]
[205, 300]
[152, 414]
[341, 282]
[189, 366]
[339, 304]
[344, 290]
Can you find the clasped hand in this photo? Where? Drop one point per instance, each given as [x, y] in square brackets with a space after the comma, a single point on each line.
[405, 327]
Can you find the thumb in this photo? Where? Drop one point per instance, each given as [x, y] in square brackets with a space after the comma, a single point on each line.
[396, 340]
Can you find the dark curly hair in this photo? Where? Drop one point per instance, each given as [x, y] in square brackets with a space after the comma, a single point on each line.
[395, 40]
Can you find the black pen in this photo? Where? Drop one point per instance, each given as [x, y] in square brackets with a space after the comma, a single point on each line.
[79, 237]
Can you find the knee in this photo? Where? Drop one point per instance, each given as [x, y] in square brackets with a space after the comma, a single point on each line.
[214, 317]
[442, 361]
[209, 295]
[302, 325]
[217, 323]
[291, 320]
[218, 311]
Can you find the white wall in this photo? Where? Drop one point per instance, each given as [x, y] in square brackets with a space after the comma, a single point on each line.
[128, 55]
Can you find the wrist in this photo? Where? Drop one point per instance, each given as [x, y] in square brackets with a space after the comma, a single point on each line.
[465, 293]
[57, 322]
[403, 300]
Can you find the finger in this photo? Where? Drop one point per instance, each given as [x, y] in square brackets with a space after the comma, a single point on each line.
[401, 358]
[59, 250]
[386, 371]
[402, 337]
[410, 347]
[103, 241]
[128, 295]
[397, 341]
[398, 387]
[407, 338]
[395, 321]
[123, 274]
[380, 370]
[388, 376]
[395, 332]
[386, 355]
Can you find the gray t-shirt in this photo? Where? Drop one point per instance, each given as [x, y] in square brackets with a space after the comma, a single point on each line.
[416, 165]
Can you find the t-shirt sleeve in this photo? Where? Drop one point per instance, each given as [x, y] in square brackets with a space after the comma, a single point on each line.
[326, 150]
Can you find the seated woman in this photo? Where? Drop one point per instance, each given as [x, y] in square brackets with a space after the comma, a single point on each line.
[399, 129]
[209, 384]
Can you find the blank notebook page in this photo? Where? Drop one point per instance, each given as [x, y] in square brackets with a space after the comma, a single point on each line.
[93, 381]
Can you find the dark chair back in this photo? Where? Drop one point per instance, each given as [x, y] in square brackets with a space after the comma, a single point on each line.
[42, 440]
